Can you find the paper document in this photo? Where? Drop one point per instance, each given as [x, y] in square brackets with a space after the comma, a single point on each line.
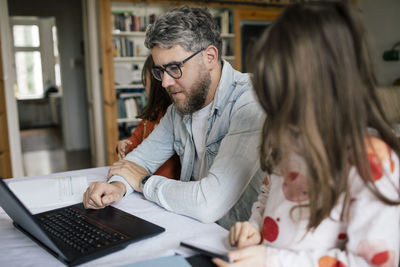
[45, 192]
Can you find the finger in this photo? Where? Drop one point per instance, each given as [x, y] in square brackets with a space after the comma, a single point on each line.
[108, 199]
[243, 236]
[241, 254]
[88, 203]
[255, 238]
[232, 234]
[92, 205]
[238, 230]
[95, 198]
[114, 169]
[84, 200]
[219, 262]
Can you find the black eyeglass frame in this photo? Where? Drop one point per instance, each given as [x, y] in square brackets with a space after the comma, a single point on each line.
[164, 68]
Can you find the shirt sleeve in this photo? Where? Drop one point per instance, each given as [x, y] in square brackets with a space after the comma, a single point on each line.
[372, 229]
[236, 162]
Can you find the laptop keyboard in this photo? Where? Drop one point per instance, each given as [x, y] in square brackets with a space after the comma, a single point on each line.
[75, 230]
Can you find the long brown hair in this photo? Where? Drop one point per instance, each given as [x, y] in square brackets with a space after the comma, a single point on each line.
[158, 99]
[313, 77]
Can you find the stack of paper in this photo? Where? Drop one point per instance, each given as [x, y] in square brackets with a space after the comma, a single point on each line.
[49, 192]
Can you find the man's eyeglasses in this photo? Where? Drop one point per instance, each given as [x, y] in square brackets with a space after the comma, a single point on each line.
[173, 69]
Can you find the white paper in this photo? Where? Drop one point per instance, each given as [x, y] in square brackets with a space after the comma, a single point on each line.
[49, 192]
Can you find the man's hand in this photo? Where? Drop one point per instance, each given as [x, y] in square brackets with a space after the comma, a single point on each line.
[244, 234]
[123, 148]
[130, 171]
[101, 194]
[251, 256]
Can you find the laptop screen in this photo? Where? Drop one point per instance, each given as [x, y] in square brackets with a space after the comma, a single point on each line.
[20, 215]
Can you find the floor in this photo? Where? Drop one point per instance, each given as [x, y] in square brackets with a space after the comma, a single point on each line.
[43, 153]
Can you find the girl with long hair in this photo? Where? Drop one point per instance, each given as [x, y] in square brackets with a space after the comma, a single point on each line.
[331, 197]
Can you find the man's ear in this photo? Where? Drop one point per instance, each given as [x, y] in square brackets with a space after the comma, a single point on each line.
[211, 57]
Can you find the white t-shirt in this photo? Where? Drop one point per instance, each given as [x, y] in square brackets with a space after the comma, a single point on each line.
[199, 128]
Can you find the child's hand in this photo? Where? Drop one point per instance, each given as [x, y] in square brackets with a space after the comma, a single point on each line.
[244, 234]
[123, 148]
[252, 256]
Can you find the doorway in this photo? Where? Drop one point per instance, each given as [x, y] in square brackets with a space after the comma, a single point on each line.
[51, 87]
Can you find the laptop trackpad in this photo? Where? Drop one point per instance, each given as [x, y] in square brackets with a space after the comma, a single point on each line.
[121, 221]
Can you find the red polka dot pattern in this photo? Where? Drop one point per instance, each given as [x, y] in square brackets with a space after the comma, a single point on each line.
[270, 229]
[376, 167]
[328, 261]
[380, 258]
[293, 175]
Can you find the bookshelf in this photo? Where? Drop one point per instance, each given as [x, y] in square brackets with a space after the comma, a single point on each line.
[123, 25]
[128, 25]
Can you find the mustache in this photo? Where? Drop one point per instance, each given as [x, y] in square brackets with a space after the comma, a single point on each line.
[172, 90]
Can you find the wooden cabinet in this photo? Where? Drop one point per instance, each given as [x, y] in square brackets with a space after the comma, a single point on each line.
[236, 12]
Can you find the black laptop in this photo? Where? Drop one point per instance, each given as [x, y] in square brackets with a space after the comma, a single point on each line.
[75, 235]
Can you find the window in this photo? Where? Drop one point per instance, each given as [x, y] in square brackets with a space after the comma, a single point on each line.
[37, 62]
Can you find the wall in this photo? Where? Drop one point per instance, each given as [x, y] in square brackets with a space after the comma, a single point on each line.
[68, 14]
[383, 22]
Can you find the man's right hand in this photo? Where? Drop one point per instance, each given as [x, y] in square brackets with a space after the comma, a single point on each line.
[101, 194]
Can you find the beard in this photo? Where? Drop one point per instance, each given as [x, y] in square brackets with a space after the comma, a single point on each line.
[196, 97]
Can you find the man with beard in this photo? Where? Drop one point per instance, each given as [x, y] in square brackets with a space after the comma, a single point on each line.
[214, 126]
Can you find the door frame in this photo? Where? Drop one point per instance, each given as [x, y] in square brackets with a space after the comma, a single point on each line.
[93, 82]
[10, 100]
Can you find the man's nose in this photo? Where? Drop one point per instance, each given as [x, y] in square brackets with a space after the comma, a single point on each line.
[167, 80]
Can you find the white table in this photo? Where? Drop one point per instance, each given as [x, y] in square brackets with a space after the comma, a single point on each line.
[16, 249]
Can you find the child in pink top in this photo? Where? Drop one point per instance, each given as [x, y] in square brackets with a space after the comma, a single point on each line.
[331, 197]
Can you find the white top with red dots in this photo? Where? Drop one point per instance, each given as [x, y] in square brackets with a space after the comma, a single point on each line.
[368, 235]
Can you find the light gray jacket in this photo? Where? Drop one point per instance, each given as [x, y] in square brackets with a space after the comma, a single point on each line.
[231, 156]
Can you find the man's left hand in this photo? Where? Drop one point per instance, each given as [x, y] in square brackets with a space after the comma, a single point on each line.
[130, 171]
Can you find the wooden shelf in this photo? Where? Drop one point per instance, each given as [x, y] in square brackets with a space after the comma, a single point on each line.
[229, 58]
[129, 86]
[124, 120]
[125, 33]
[129, 59]
[228, 35]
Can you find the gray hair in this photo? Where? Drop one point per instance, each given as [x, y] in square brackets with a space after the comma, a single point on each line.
[193, 28]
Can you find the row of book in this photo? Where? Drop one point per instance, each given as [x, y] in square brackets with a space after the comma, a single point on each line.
[126, 21]
[224, 20]
[262, 1]
[130, 105]
[126, 47]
